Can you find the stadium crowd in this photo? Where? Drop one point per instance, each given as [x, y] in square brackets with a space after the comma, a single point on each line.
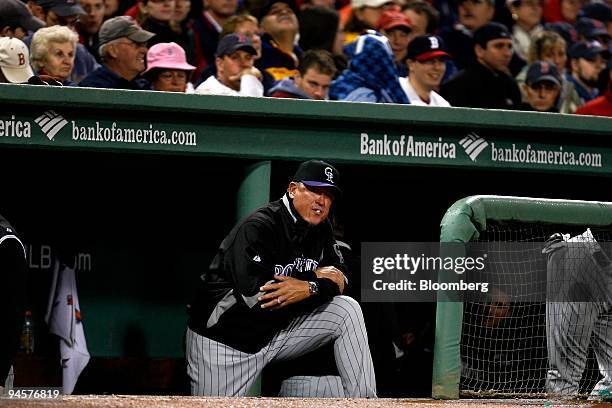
[535, 55]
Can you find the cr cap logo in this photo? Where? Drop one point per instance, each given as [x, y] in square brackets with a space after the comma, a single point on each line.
[330, 174]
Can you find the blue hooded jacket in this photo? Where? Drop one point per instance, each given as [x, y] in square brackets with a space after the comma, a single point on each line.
[371, 75]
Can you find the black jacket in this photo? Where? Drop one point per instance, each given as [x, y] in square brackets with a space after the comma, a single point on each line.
[274, 240]
[481, 87]
[12, 294]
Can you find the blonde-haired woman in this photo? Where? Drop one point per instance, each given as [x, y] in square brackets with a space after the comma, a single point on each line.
[52, 52]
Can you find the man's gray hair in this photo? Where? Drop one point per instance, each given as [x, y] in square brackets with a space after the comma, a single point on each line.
[103, 50]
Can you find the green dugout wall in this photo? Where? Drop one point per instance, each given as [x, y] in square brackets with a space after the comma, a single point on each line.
[139, 188]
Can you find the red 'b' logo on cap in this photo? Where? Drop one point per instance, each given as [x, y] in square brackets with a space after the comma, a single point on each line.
[21, 58]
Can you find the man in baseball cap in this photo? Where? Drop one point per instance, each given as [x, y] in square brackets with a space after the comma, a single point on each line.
[426, 60]
[62, 12]
[14, 61]
[602, 105]
[472, 14]
[280, 28]
[398, 29]
[587, 60]
[542, 87]
[487, 83]
[123, 26]
[590, 29]
[16, 20]
[318, 174]
[236, 74]
[123, 49]
[271, 295]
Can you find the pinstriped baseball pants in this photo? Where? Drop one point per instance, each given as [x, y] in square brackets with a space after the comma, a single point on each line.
[570, 328]
[219, 370]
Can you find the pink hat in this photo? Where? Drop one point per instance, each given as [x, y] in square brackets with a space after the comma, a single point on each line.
[167, 56]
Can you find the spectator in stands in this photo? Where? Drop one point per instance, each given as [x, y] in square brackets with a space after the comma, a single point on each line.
[473, 14]
[602, 105]
[89, 25]
[156, 16]
[183, 25]
[487, 83]
[247, 25]
[587, 60]
[561, 10]
[280, 27]
[14, 61]
[167, 68]
[111, 9]
[320, 30]
[423, 17]
[67, 13]
[16, 20]
[397, 28]
[527, 15]
[550, 46]
[206, 29]
[426, 61]
[565, 30]
[316, 72]
[371, 75]
[364, 15]
[52, 52]
[542, 87]
[592, 30]
[181, 10]
[570, 10]
[599, 11]
[123, 49]
[36, 10]
[236, 73]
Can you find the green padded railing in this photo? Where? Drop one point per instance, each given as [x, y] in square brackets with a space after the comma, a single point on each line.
[463, 222]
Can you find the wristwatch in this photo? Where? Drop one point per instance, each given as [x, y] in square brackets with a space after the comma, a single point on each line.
[313, 288]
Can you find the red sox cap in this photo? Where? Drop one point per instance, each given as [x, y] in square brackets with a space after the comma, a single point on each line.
[542, 71]
[426, 47]
[234, 42]
[317, 173]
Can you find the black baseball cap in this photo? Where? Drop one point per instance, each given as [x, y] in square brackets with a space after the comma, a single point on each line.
[425, 47]
[565, 30]
[591, 29]
[62, 8]
[542, 71]
[598, 11]
[14, 13]
[490, 31]
[317, 173]
[234, 42]
[587, 50]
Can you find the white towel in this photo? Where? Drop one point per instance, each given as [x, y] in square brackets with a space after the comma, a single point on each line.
[64, 320]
